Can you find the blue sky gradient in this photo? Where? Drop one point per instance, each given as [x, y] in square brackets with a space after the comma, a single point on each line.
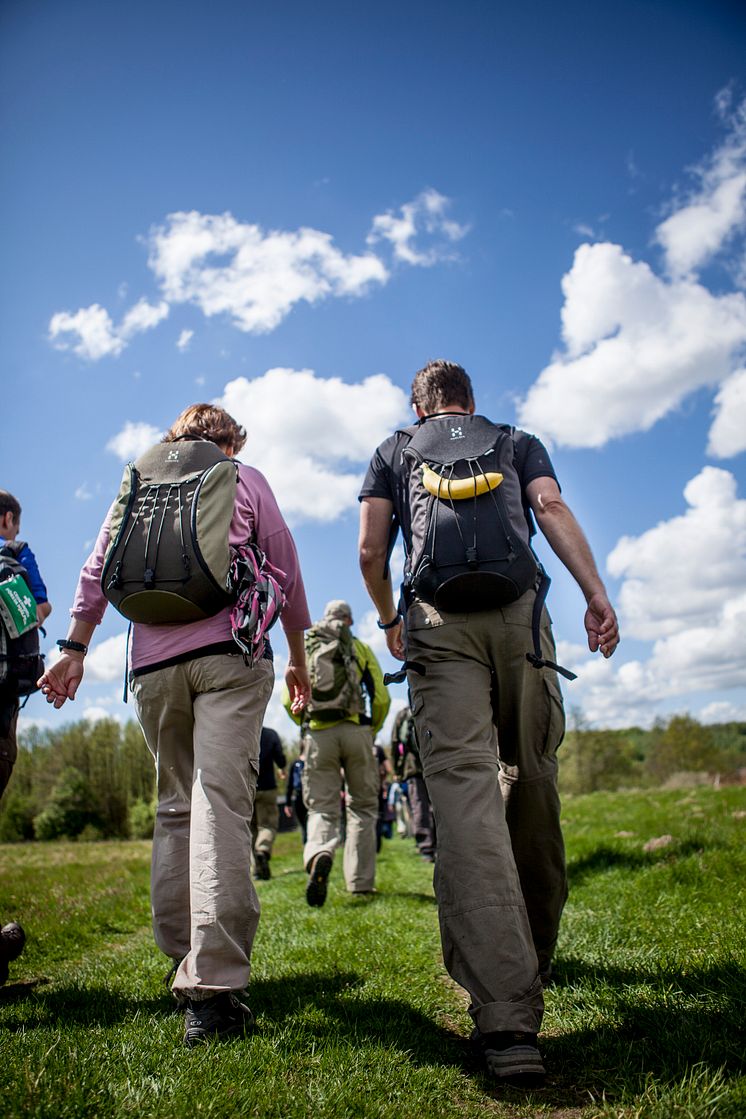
[452, 160]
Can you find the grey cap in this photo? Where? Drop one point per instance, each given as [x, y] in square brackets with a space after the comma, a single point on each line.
[337, 609]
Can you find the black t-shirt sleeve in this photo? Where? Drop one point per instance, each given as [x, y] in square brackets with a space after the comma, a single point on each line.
[379, 478]
[532, 459]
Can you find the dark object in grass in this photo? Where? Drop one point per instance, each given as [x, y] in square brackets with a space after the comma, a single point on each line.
[511, 1058]
[221, 1016]
[261, 858]
[12, 941]
[318, 873]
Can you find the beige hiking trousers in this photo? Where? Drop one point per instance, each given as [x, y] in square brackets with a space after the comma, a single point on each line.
[202, 721]
[265, 821]
[488, 723]
[349, 747]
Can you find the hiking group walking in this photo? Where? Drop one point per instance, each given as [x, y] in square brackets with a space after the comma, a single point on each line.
[196, 554]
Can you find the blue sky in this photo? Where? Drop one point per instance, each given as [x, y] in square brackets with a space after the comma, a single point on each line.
[291, 208]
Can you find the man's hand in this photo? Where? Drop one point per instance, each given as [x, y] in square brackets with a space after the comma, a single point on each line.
[395, 641]
[62, 680]
[601, 625]
[299, 687]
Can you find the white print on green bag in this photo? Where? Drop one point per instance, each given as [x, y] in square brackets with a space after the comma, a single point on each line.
[17, 606]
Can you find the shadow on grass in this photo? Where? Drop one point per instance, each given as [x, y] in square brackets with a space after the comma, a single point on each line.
[606, 858]
[682, 1021]
[280, 1002]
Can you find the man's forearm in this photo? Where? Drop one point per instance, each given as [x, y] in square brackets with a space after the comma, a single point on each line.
[568, 542]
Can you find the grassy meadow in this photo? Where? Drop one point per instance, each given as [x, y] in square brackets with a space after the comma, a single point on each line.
[355, 1014]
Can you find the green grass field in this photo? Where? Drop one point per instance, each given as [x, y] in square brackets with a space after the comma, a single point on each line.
[355, 1014]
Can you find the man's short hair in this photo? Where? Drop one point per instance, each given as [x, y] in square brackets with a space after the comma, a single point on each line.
[439, 384]
[9, 504]
[337, 610]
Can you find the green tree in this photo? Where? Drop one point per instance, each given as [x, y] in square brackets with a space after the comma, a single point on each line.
[69, 810]
[682, 746]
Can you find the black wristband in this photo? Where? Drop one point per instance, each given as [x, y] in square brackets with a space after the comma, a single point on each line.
[73, 646]
[389, 625]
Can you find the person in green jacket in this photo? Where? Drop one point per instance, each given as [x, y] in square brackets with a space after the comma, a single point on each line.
[347, 708]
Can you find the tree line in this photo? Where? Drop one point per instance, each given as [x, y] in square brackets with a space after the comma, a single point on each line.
[96, 780]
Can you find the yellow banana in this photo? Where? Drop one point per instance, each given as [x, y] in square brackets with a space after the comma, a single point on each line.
[458, 488]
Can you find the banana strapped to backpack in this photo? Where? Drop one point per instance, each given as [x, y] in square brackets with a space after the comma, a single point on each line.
[470, 529]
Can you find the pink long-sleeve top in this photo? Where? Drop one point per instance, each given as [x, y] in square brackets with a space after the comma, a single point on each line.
[256, 516]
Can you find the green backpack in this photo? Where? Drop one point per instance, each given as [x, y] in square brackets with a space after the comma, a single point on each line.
[334, 672]
[168, 558]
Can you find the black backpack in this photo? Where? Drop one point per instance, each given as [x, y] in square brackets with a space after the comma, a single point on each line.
[168, 558]
[470, 538]
[470, 532]
[21, 662]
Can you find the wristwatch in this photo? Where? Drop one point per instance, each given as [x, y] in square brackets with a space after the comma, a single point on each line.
[73, 646]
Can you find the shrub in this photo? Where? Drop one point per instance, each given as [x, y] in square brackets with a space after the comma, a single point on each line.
[142, 819]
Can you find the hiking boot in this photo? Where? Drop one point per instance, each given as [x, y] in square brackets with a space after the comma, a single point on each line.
[318, 873]
[12, 941]
[222, 1015]
[511, 1057]
[261, 869]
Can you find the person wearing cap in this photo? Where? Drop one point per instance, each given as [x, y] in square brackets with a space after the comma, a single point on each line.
[334, 744]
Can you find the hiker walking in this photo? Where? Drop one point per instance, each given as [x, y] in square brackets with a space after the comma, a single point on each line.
[479, 658]
[294, 802]
[24, 606]
[264, 822]
[339, 732]
[408, 768]
[199, 696]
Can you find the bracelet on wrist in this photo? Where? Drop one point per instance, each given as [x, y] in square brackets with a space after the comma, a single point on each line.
[72, 646]
[389, 625]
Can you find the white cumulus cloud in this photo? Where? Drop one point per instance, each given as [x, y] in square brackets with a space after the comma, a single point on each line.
[635, 343]
[133, 440]
[683, 591]
[93, 329]
[424, 218]
[184, 339]
[225, 266]
[106, 659]
[91, 334]
[716, 209]
[728, 431]
[635, 346]
[678, 574]
[313, 437]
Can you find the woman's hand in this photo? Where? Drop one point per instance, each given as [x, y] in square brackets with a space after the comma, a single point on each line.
[62, 680]
[299, 687]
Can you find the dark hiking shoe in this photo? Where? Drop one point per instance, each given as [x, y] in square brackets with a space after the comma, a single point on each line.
[12, 941]
[318, 873]
[261, 869]
[220, 1016]
[512, 1058]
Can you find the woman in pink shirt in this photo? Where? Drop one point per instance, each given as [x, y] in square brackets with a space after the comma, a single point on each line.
[201, 709]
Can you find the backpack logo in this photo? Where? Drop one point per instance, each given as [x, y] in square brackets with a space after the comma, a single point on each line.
[457, 433]
[172, 456]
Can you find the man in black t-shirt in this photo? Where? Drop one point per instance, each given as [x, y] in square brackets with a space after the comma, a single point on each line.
[265, 821]
[488, 727]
